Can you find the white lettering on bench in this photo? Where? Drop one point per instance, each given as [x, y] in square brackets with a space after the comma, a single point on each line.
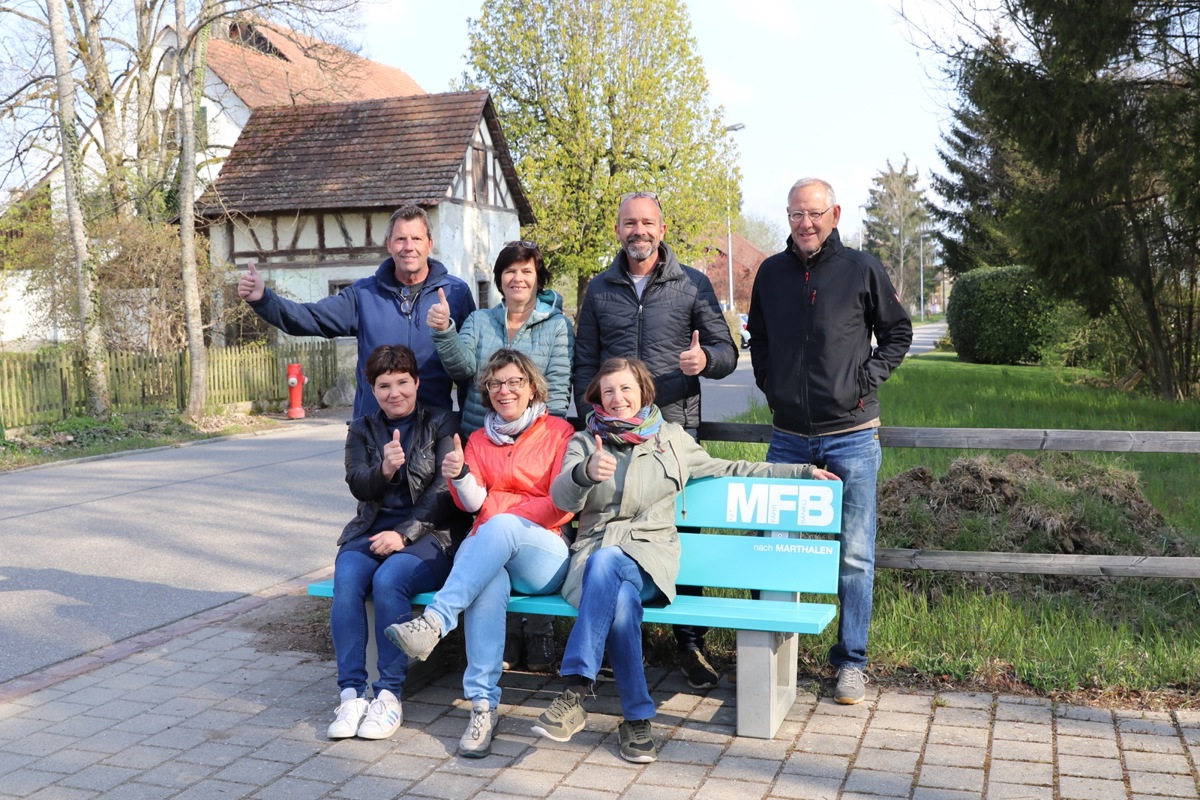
[764, 504]
[806, 549]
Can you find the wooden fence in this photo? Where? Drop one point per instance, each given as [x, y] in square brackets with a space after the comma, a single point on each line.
[50, 386]
[1014, 439]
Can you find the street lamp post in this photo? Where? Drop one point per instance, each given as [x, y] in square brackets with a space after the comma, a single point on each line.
[737, 126]
[922, 276]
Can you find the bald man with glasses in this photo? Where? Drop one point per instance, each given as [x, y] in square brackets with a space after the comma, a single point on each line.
[814, 309]
[648, 306]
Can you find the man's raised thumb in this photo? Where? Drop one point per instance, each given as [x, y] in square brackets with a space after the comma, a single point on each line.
[695, 339]
[442, 296]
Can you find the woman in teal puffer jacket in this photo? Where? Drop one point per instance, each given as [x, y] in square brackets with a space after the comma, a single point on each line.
[529, 320]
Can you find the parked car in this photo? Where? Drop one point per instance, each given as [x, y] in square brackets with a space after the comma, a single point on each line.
[745, 333]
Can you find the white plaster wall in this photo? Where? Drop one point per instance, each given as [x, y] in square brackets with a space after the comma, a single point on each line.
[467, 240]
[21, 323]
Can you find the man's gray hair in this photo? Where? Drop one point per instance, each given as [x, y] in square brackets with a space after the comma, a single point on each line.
[804, 183]
[408, 214]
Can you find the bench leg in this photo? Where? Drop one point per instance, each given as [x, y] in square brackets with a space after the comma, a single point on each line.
[372, 645]
[766, 681]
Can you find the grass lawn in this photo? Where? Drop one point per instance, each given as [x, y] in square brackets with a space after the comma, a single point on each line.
[1131, 640]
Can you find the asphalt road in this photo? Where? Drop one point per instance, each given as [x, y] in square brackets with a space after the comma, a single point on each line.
[94, 552]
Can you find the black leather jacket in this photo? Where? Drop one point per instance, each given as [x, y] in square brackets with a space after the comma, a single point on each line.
[430, 439]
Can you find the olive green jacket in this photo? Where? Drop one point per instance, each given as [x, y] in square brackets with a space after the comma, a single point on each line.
[635, 509]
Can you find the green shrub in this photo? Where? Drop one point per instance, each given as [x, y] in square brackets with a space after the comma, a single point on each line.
[1000, 315]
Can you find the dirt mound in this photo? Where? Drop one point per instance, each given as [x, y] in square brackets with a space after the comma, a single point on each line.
[1057, 503]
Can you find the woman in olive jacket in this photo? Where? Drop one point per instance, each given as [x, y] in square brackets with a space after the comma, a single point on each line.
[400, 543]
[621, 476]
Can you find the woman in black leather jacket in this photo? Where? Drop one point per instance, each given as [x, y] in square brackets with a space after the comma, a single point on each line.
[400, 543]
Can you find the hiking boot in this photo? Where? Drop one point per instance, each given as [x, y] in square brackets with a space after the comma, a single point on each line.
[851, 685]
[563, 719]
[700, 674]
[476, 741]
[637, 745]
[512, 650]
[349, 715]
[383, 718]
[539, 653]
[416, 638]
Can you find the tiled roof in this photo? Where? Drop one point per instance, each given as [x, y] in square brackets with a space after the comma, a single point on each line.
[300, 71]
[366, 154]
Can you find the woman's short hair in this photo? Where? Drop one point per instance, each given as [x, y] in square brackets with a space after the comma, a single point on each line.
[391, 358]
[501, 359]
[519, 253]
[641, 374]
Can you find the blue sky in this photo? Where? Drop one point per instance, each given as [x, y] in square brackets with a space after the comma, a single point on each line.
[832, 89]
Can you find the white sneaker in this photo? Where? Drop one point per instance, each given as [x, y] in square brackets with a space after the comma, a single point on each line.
[383, 717]
[476, 742]
[349, 714]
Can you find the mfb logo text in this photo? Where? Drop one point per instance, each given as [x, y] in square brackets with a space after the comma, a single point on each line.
[806, 505]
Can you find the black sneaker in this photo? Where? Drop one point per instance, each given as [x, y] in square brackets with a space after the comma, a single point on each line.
[539, 653]
[700, 674]
[512, 650]
[637, 745]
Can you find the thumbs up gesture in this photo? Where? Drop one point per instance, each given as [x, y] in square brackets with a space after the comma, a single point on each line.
[393, 456]
[600, 465]
[250, 284]
[452, 464]
[693, 360]
[438, 317]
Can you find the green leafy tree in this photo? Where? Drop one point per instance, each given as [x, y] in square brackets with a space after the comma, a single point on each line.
[896, 216]
[1101, 101]
[978, 187]
[764, 233]
[599, 98]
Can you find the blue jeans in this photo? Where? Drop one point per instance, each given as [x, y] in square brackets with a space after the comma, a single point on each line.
[507, 552]
[357, 573]
[610, 613]
[855, 458]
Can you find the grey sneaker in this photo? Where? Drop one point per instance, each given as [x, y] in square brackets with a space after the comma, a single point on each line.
[383, 718]
[416, 638]
[563, 719]
[851, 686]
[349, 715]
[637, 745]
[476, 741]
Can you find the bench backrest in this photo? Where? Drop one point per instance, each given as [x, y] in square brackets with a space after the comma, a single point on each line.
[777, 561]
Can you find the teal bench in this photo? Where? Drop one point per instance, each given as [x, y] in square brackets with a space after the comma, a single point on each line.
[776, 564]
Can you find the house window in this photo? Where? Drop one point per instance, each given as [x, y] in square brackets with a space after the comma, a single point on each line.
[335, 287]
[481, 289]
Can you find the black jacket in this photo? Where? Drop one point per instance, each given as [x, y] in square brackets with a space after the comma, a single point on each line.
[676, 301]
[430, 438]
[810, 327]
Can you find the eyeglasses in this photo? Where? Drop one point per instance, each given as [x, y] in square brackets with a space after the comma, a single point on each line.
[625, 198]
[512, 384]
[799, 216]
[406, 301]
[528, 245]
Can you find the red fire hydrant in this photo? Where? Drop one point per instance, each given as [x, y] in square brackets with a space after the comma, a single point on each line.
[296, 380]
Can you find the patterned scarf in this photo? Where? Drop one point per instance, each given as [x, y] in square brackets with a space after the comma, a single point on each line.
[502, 433]
[633, 430]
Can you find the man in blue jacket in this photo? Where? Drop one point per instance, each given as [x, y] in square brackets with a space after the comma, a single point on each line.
[387, 308]
[814, 309]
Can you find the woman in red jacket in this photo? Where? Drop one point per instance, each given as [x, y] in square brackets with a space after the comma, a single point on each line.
[504, 475]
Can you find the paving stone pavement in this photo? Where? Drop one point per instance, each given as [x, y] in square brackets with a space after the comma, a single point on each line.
[194, 710]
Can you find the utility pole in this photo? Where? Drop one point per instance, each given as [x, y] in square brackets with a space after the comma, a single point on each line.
[737, 126]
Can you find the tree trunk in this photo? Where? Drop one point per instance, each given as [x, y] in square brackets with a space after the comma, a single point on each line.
[95, 359]
[189, 46]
